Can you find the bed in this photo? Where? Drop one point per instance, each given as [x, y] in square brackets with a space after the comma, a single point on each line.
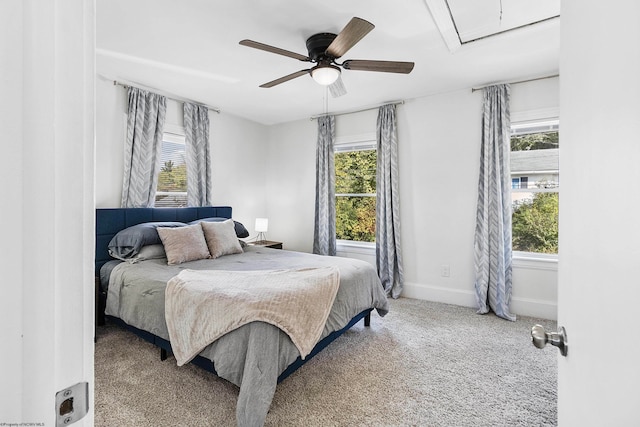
[254, 356]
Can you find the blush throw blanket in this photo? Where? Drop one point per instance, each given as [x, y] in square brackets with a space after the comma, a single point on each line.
[202, 306]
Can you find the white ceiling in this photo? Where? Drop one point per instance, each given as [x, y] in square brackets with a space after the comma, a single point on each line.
[190, 49]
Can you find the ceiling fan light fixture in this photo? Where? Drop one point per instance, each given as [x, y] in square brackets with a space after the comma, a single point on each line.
[325, 74]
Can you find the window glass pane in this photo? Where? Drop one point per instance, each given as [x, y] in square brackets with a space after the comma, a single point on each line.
[172, 178]
[535, 181]
[535, 160]
[535, 222]
[356, 218]
[355, 194]
[355, 172]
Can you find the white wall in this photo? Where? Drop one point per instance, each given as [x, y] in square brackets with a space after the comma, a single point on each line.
[290, 184]
[439, 146]
[439, 151]
[238, 149]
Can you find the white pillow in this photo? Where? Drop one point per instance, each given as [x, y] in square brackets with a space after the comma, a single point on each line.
[183, 244]
[221, 238]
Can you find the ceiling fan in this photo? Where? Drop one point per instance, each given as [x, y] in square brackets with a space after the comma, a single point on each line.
[324, 49]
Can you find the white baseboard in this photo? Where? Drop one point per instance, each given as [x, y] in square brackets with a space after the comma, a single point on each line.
[439, 294]
[535, 308]
[519, 306]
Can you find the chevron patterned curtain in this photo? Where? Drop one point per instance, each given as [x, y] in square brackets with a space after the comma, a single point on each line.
[145, 122]
[493, 217]
[324, 232]
[196, 125]
[388, 248]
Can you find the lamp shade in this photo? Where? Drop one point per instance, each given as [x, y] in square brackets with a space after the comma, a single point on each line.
[262, 225]
[325, 74]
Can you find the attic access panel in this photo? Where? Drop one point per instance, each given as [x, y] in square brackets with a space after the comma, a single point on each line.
[477, 19]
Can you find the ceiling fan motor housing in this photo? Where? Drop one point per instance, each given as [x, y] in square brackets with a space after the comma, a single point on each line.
[317, 44]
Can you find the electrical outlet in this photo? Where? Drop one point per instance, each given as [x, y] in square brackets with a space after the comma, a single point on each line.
[445, 271]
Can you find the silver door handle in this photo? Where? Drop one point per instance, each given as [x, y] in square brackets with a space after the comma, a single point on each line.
[540, 338]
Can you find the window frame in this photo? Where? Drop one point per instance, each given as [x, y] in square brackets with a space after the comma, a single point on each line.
[356, 143]
[520, 123]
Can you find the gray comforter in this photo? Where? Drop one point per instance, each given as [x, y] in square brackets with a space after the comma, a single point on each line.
[254, 355]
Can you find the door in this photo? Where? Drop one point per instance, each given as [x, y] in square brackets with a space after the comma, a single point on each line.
[47, 311]
[599, 267]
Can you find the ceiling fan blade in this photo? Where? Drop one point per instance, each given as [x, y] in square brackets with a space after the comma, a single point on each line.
[273, 49]
[337, 88]
[383, 66]
[351, 34]
[286, 78]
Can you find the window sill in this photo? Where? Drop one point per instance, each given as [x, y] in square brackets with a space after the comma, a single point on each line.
[535, 261]
[365, 248]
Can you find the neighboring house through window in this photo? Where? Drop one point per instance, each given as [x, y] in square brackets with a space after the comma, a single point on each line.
[535, 186]
[355, 168]
[172, 178]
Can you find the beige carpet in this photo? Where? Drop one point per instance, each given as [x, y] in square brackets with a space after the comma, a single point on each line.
[424, 364]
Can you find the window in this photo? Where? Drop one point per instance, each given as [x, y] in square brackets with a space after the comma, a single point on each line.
[172, 178]
[535, 185]
[355, 165]
[520, 182]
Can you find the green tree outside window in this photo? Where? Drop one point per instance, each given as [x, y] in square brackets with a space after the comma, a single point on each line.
[355, 195]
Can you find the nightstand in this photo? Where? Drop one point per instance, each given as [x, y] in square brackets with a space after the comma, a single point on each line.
[267, 244]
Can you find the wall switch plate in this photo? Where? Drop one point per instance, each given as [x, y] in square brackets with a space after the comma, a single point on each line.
[72, 403]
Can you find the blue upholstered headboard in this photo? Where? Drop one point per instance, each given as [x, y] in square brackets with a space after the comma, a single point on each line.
[110, 221]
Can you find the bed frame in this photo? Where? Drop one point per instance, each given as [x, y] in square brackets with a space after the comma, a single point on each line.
[110, 221]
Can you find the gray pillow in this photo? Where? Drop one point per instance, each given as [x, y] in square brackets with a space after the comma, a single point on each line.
[183, 244]
[221, 238]
[128, 242]
[240, 229]
[148, 252]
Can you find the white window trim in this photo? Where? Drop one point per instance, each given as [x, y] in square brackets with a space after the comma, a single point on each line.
[171, 193]
[364, 248]
[356, 194]
[540, 115]
[173, 137]
[176, 130]
[535, 261]
[527, 128]
[550, 117]
[361, 139]
[365, 141]
[535, 190]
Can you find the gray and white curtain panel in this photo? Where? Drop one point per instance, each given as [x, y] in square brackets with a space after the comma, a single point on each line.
[145, 122]
[196, 125]
[388, 249]
[324, 232]
[492, 246]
